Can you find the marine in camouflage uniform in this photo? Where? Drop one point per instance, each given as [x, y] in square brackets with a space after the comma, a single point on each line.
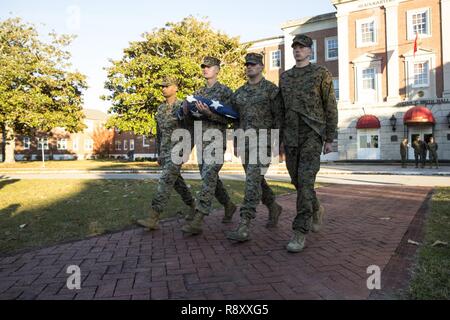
[259, 106]
[310, 120]
[433, 148]
[211, 183]
[167, 123]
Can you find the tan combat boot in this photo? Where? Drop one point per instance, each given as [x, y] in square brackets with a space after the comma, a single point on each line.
[242, 233]
[318, 219]
[230, 209]
[194, 227]
[297, 242]
[152, 222]
[189, 216]
[274, 213]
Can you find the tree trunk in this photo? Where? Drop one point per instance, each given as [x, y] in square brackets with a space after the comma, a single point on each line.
[10, 145]
[3, 142]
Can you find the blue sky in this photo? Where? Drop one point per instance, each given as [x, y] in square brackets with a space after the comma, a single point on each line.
[104, 28]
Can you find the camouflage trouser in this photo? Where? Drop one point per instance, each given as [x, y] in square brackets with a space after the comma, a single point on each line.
[303, 163]
[256, 189]
[211, 186]
[434, 158]
[170, 178]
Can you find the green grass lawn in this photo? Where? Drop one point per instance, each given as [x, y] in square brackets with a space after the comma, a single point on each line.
[431, 278]
[55, 211]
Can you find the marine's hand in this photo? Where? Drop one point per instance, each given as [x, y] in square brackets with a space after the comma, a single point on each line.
[327, 148]
[203, 108]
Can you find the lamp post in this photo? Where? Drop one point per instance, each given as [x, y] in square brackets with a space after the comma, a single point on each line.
[393, 121]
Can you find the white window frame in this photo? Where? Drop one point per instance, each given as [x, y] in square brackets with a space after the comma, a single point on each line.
[272, 66]
[125, 145]
[374, 80]
[359, 23]
[62, 144]
[314, 51]
[43, 141]
[118, 145]
[75, 144]
[361, 95]
[428, 75]
[410, 30]
[336, 87]
[132, 144]
[26, 143]
[88, 144]
[145, 145]
[327, 56]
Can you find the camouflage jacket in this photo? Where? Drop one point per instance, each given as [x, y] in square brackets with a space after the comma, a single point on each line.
[433, 147]
[309, 92]
[166, 123]
[259, 106]
[218, 92]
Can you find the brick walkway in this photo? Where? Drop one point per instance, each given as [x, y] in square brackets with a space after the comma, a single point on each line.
[363, 226]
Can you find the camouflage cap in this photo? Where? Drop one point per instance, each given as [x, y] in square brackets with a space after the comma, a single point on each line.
[254, 58]
[210, 61]
[168, 81]
[302, 40]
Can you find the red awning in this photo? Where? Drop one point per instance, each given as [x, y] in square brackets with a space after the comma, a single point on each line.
[368, 122]
[419, 114]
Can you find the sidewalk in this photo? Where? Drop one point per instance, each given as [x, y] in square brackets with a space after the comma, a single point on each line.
[363, 226]
[358, 169]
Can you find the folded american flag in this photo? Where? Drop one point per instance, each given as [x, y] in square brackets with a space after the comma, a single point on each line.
[214, 105]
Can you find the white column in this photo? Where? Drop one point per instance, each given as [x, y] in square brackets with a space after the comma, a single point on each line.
[393, 75]
[445, 27]
[344, 73]
[289, 59]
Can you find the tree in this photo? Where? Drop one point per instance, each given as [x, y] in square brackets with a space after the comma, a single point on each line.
[103, 140]
[37, 91]
[177, 50]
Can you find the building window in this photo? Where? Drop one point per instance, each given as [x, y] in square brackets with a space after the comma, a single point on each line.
[118, 145]
[62, 144]
[313, 58]
[88, 144]
[26, 143]
[366, 32]
[419, 23]
[275, 59]
[132, 144]
[368, 141]
[145, 142]
[75, 144]
[331, 48]
[421, 74]
[43, 141]
[336, 87]
[368, 78]
[125, 145]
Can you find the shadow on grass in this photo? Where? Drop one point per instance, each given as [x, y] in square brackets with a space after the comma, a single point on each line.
[56, 211]
[431, 279]
[4, 181]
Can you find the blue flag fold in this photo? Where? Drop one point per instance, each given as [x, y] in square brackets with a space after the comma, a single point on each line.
[214, 105]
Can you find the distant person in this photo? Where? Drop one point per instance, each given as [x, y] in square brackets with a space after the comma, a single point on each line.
[404, 151]
[416, 146]
[433, 148]
[423, 153]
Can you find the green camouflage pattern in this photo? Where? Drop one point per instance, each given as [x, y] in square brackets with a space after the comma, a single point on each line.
[259, 107]
[309, 92]
[171, 178]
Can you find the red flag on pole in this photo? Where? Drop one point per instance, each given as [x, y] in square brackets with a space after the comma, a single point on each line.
[415, 44]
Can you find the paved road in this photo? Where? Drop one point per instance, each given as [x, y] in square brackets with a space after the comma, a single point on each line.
[324, 177]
